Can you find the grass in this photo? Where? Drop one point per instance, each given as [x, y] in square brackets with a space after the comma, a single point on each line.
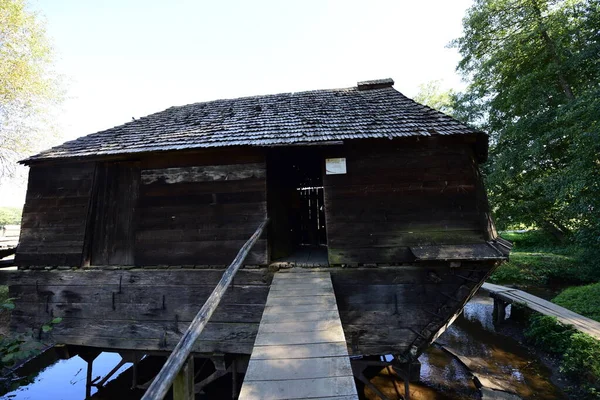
[539, 259]
[584, 300]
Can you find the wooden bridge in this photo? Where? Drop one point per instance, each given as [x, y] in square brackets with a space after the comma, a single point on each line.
[300, 350]
[503, 296]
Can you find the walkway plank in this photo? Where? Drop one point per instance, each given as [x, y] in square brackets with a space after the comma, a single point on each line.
[568, 317]
[300, 350]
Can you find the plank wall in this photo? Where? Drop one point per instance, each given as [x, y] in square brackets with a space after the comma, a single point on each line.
[138, 309]
[401, 194]
[389, 310]
[55, 214]
[201, 213]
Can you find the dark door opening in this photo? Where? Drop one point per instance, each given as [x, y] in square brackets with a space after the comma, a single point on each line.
[296, 206]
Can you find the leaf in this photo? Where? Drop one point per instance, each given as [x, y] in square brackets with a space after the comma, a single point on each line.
[8, 358]
[56, 320]
[46, 328]
[8, 306]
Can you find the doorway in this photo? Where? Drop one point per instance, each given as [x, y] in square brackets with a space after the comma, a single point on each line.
[296, 206]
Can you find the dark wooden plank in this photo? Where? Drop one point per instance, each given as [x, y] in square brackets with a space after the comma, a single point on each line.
[40, 259]
[214, 331]
[203, 199]
[203, 253]
[166, 343]
[54, 215]
[130, 278]
[152, 296]
[112, 240]
[206, 173]
[195, 188]
[140, 313]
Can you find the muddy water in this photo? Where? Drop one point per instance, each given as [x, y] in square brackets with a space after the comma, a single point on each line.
[472, 340]
[498, 361]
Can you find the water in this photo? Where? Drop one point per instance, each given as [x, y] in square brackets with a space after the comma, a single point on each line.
[473, 338]
[66, 379]
[499, 361]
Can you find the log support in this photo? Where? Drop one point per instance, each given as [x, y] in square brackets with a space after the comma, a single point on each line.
[499, 314]
[183, 385]
[403, 370]
[89, 355]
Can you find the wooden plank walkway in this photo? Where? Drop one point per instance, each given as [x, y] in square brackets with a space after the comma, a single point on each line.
[300, 350]
[510, 295]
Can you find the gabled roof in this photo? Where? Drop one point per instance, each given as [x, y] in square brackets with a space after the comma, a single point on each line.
[373, 109]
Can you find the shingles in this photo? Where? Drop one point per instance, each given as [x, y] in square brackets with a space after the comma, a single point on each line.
[280, 119]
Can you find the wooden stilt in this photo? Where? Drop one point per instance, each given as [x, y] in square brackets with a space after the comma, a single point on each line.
[499, 313]
[89, 355]
[183, 385]
[234, 380]
[407, 383]
[88, 380]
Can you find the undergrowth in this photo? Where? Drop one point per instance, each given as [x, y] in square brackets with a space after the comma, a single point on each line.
[539, 259]
[579, 353]
[584, 300]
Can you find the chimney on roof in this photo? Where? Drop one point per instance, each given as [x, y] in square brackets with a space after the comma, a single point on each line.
[375, 84]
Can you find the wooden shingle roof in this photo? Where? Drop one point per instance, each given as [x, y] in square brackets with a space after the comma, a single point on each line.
[373, 109]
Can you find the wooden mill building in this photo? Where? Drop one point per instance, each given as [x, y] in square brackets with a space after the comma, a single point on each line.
[125, 232]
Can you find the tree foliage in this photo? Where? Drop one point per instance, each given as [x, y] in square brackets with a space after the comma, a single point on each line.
[533, 68]
[29, 88]
[432, 95]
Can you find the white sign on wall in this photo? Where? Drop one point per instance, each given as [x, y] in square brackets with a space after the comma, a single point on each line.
[335, 166]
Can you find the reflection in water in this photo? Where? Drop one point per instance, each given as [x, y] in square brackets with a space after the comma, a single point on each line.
[499, 361]
[65, 379]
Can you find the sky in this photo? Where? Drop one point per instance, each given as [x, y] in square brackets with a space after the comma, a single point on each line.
[123, 59]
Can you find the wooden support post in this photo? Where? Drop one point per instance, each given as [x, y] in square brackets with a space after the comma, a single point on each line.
[234, 380]
[88, 380]
[89, 355]
[412, 370]
[183, 385]
[499, 313]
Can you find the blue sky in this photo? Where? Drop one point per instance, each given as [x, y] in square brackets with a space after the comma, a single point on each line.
[129, 58]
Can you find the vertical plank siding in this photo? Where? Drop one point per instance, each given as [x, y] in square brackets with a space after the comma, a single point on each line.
[112, 240]
[55, 213]
[395, 197]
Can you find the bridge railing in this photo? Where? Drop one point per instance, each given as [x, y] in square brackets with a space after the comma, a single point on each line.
[163, 381]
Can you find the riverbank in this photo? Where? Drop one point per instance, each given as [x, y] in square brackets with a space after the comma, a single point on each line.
[569, 276]
[563, 273]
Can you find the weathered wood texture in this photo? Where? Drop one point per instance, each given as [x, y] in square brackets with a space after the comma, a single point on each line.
[567, 317]
[400, 195]
[113, 227]
[139, 309]
[390, 310]
[55, 214]
[181, 353]
[300, 350]
[200, 214]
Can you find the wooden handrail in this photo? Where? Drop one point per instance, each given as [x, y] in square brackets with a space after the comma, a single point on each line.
[163, 381]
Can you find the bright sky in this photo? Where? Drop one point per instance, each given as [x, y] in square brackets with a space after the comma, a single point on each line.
[129, 58]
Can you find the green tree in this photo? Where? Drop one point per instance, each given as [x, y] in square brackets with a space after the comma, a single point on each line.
[533, 68]
[431, 94]
[29, 88]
